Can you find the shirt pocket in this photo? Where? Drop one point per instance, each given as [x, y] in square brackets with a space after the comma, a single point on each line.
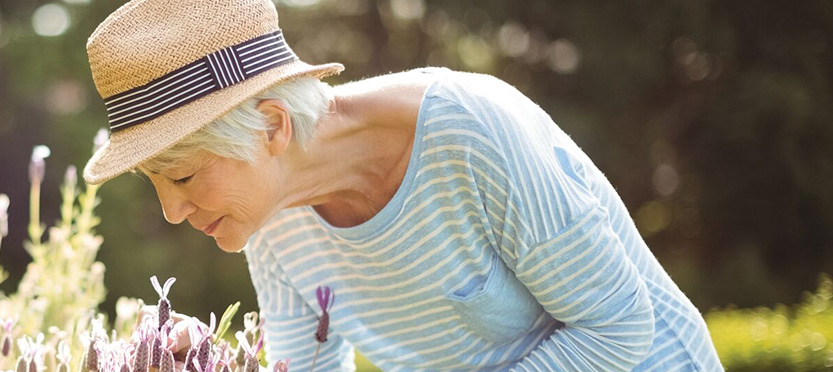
[498, 308]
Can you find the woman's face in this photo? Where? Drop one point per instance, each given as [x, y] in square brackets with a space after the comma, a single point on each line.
[226, 199]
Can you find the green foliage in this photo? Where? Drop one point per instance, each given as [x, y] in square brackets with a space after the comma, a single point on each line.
[796, 338]
[63, 286]
[225, 321]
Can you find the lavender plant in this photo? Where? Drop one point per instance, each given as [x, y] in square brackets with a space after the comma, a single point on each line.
[113, 354]
[63, 286]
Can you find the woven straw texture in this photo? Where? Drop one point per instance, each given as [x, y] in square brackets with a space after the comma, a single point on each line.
[145, 39]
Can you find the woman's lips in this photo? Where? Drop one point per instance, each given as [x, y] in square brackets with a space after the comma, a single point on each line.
[210, 229]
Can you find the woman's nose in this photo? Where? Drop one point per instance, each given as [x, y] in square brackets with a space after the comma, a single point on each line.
[175, 206]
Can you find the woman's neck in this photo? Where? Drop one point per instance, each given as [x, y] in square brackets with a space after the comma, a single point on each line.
[358, 157]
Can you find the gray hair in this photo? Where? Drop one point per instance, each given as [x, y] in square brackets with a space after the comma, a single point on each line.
[234, 135]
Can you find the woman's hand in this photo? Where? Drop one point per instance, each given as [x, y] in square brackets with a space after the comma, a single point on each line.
[179, 333]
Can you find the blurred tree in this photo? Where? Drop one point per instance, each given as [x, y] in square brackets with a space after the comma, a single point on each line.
[711, 119]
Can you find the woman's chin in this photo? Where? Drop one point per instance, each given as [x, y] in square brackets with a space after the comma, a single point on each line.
[230, 244]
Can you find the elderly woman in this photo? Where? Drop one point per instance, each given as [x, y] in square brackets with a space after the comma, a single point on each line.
[460, 228]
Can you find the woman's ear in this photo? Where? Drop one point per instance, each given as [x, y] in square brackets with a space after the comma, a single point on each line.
[280, 125]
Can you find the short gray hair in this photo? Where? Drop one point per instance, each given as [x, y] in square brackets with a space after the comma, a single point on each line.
[234, 135]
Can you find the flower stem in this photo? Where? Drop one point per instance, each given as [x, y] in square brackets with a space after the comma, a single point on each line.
[315, 358]
[35, 230]
[86, 221]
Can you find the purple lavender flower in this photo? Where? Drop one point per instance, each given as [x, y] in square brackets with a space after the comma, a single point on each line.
[194, 333]
[156, 343]
[63, 357]
[166, 362]
[326, 298]
[92, 356]
[189, 360]
[125, 362]
[71, 176]
[209, 365]
[37, 167]
[21, 364]
[27, 347]
[205, 341]
[141, 357]
[156, 353]
[198, 335]
[7, 325]
[252, 363]
[31, 353]
[164, 306]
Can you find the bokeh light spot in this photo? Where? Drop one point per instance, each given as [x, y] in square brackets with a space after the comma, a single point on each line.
[475, 53]
[653, 217]
[50, 20]
[513, 39]
[697, 66]
[437, 24]
[666, 180]
[66, 97]
[694, 64]
[408, 9]
[563, 56]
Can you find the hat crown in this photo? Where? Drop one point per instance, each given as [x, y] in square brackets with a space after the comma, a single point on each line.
[145, 39]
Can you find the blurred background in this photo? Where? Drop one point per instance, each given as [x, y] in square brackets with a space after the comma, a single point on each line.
[712, 119]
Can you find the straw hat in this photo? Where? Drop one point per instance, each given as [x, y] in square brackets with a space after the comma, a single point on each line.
[166, 68]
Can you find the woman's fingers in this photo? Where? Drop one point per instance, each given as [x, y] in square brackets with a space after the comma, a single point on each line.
[179, 366]
[179, 334]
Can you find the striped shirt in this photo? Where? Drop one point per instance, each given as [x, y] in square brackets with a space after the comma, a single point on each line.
[504, 249]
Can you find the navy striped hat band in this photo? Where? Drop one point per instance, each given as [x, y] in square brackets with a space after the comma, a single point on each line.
[209, 74]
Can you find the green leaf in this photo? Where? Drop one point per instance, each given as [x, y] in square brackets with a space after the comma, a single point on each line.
[225, 321]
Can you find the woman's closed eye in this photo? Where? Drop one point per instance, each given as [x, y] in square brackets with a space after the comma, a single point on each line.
[183, 180]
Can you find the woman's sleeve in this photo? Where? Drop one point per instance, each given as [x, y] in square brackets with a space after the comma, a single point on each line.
[555, 234]
[582, 277]
[290, 324]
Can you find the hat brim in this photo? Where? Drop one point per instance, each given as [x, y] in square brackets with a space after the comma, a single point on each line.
[128, 148]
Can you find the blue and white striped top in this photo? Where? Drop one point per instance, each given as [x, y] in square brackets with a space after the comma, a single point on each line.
[504, 249]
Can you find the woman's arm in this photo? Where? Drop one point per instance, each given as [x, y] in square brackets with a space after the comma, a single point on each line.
[583, 278]
[554, 233]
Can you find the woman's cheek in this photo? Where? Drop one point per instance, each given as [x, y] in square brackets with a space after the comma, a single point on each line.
[209, 195]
